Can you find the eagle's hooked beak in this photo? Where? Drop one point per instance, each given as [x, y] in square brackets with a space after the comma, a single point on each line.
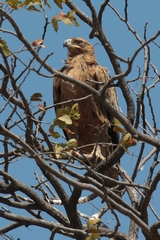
[67, 43]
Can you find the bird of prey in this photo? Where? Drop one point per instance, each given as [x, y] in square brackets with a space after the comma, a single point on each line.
[95, 126]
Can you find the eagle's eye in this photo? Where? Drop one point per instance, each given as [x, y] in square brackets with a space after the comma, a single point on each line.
[79, 42]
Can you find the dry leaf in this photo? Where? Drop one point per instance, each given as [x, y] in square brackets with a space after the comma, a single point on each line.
[128, 141]
[38, 42]
[41, 107]
[53, 133]
[68, 130]
[64, 18]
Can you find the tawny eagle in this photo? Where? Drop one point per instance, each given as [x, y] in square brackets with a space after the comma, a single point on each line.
[95, 123]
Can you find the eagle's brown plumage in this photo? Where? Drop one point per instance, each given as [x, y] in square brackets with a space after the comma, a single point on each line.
[94, 125]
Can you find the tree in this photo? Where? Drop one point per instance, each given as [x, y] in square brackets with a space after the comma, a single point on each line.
[28, 147]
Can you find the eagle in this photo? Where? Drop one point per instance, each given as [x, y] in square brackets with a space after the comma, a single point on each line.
[94, 131]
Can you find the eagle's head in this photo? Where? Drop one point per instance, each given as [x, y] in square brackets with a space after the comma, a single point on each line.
[77, 46]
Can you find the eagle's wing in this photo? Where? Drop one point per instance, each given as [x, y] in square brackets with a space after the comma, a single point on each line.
[102, 76]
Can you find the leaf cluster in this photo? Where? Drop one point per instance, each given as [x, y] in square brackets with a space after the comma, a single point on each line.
[68, 19]
[65, 117]
[127, 139]
[31, 5]
[92, 226]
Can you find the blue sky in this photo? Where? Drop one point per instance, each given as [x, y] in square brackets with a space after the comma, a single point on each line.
[124, 44]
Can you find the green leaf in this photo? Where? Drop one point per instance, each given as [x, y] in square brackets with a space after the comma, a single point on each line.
[73, 18]
[55, 23]
[76, 23]
[61, 148]
[76, 116]
[74, 108]
[49, 5]
[66, 118]
[59, 123]
[95, 235]
[62, 111]
[58, 3]
[117, 126]
[71, 143]
[71, 13]
[33, 8]
[13, 4]
[36, 97]
[66, 21]
[4, 47]
[90, 238]
[67, 110]
[75, 112]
